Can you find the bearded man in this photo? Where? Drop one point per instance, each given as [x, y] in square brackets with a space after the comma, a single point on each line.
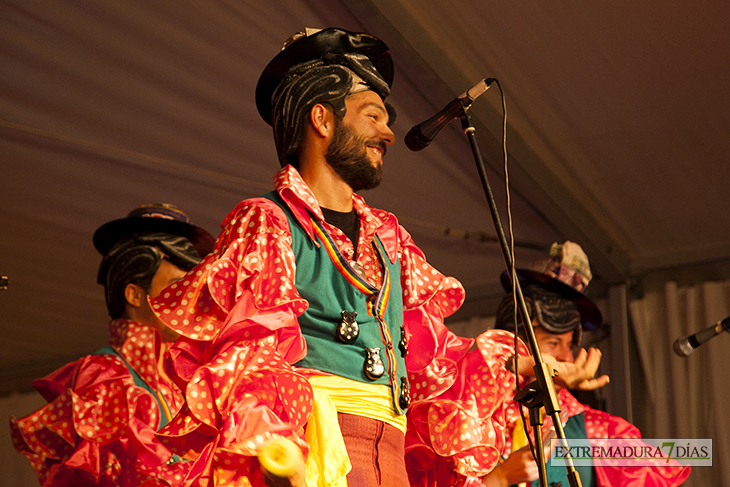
[313, 310]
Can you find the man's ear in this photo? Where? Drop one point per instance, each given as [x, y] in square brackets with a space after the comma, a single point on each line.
[135, 294]
[322, 120]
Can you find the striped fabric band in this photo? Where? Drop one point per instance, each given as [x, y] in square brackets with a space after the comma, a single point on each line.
[378, 306]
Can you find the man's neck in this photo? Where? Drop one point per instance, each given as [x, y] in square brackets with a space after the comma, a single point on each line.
[329, 189]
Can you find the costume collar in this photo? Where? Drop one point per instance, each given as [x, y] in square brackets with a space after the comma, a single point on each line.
[301, 201]
[140, 345]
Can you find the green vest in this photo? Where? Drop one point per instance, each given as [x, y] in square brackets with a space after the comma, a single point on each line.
[558, 475]
[329, 293]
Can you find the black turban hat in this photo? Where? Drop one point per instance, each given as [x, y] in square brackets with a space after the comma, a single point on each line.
[557, 307]
[323, 66]
[133, 248]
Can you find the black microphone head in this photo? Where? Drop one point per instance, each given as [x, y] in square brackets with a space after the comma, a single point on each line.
[415, 140]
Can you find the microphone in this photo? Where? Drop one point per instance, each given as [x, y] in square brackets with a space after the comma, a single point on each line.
[686, 345]
[422, 134]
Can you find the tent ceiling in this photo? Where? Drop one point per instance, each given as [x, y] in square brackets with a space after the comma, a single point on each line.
[617, 116]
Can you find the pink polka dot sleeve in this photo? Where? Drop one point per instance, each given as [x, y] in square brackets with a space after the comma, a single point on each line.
[599, 425]
[245, 285]
[423, 285]
[97, 429]
[237, 314]
[428, 297]
[459, 421]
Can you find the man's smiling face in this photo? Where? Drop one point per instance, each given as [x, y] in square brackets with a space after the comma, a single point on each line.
[360, 141]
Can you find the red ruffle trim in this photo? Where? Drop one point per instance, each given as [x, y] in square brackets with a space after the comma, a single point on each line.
[240, 394]
[249, 286]
[96, 429]
[458, 422]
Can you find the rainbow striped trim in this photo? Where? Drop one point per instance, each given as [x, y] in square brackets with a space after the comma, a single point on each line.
[380, 303]
[392, 361]
[163, 403]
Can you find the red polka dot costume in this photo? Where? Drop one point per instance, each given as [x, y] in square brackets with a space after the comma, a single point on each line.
[237, 314]
[461, 432]
[98, 427]
[599, 424]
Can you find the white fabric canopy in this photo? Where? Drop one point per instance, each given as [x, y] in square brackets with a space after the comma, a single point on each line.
[684, 397]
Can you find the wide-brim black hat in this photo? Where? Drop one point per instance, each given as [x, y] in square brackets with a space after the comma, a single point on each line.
[590, 315]
[311, 47]
[161, 218]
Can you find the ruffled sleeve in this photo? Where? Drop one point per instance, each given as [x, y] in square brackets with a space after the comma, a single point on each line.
[237, 316]
[245, 285]
[450, 430]
[603, 425]
[458, 419]
[428, 298]
[423, 285]
[98, 429]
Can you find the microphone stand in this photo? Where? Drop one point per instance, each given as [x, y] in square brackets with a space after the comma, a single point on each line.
[540, 392]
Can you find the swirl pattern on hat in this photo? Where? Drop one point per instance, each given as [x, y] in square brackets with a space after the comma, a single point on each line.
[135, 260]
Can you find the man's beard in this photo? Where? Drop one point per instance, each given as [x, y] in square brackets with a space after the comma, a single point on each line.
[347, 154]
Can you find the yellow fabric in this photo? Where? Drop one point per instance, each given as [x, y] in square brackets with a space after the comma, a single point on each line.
[519, 439]
[372, 401]
[328, 463]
